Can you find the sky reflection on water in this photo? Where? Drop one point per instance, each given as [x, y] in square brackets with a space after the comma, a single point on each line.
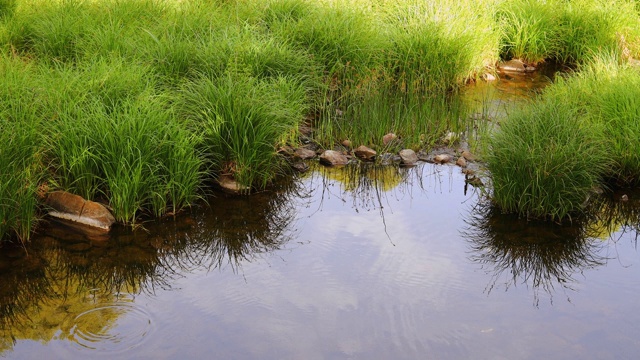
[368, 263]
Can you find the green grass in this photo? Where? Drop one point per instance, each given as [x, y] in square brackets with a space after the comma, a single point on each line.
[570, 32]
[138, 103]
[21, 152]
[545, 161]
[609, 94]
[242, 120]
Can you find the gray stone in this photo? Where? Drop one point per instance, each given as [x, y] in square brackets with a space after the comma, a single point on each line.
[74, 208]
[333, 158]
[365, 153]
[408, 157]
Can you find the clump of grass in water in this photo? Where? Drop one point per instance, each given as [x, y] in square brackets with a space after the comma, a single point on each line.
[545, 161]
[609, 95]
[242, 119]
[530, 30]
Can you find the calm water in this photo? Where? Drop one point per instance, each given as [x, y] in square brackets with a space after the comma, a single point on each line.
[354, 263]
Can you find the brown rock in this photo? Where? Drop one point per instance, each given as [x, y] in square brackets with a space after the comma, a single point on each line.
[72, 207]
[442, 158]
[365, 153]
[408, 157]
[333, 158]
[389, 138]
[231, 186]
[304, 154]
[468, 156]
[346, 143]
[461, 162]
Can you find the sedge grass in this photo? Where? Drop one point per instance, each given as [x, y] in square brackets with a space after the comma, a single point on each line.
[242, 120]
[545, 161]
[609, 94]
[21, 152]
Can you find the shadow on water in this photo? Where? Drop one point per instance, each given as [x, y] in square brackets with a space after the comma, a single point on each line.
[544, 256]
[65, 274]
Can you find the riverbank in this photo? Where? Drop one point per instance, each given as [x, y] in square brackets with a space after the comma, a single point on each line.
[141, 105]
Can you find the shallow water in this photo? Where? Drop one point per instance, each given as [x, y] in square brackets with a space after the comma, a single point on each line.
[373, 263]
[354, 263]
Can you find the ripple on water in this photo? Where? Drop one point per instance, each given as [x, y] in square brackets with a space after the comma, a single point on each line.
[111, 328]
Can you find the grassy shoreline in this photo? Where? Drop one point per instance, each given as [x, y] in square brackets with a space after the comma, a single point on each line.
[140, 103]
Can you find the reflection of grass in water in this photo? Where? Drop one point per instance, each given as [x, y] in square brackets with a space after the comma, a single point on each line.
[40, 298]
[536, 254]
[544, 255]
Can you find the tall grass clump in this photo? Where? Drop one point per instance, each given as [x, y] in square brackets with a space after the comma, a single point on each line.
[21, 151]
[242, 119]
[343, 40]
[49, 31]
[569, 32]
[545, 160]
[530, 29]
[137, 157]
[438, 45]
[7, 7]
[609, 94]
[592, 27]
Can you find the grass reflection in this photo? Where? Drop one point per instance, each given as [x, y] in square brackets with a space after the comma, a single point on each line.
[546, 256]
[66, 274]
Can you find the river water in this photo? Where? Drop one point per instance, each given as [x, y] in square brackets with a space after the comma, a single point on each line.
[354, 263]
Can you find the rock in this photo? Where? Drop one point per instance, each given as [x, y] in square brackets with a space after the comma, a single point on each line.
[333, 158]
[285, 150]
[624, 197]
[72, 207]
[304, 154]
[389, 138]
[512, 66]
[529, 68]
[229, 185]
[489, 77]
[468, 156]
[408, 157]
[300, 166]
[461, 162]
[442, 158]
[365, 153]
[346, 143]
